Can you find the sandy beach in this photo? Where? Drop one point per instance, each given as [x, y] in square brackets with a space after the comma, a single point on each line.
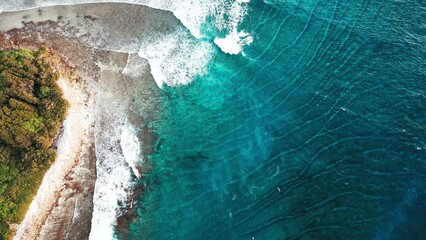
[72, 144]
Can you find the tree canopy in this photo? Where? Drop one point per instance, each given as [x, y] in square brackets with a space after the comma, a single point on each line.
[31, 112]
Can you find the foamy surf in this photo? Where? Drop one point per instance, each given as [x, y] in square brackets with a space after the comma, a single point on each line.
[176, 58]
[117, 152]
[234, 42]
[130, 146]
[193, 14]
[113, 177]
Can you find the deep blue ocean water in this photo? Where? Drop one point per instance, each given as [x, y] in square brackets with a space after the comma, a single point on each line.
[317, 132]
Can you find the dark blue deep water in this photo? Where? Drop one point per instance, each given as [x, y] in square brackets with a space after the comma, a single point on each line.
[318, 132]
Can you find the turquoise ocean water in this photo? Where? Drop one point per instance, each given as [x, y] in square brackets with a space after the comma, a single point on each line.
[317, 131]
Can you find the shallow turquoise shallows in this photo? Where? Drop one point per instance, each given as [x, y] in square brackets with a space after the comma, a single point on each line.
[317, 131]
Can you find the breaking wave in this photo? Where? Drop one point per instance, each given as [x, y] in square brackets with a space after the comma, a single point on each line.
[185, 57]
[226, 14]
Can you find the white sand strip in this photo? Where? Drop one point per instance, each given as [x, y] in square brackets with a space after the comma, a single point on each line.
[72, 139]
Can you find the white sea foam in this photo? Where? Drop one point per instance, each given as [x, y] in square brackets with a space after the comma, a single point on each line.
[130, 146]
[234, 42]
[113, 180]
[192, 13]
[176, 59]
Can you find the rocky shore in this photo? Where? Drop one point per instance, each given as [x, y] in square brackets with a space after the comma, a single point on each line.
[92, 81]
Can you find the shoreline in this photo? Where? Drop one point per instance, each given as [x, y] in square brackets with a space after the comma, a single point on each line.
[99, 82]
[72, 143]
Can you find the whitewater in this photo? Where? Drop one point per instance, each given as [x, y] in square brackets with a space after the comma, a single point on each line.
[160, 51]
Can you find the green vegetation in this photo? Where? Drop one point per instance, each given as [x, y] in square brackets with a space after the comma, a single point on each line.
[31, 112]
